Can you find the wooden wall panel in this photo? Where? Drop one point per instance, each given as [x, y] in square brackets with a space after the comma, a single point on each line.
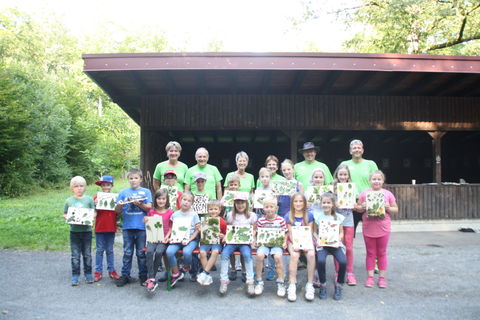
[437, 201]
[310, 112]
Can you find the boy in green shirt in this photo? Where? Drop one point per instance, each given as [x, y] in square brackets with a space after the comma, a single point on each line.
[80, 235]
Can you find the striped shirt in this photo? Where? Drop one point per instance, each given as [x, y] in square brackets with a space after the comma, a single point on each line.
[278, 222]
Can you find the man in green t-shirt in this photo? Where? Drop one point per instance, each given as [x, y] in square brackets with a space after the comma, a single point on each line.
[304, 169]
[213, 186]
[360, 170]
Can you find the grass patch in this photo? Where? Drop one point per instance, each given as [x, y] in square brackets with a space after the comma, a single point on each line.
[35, 222]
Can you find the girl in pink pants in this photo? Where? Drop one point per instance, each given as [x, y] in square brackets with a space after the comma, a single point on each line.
[342, 175]
[376, 230]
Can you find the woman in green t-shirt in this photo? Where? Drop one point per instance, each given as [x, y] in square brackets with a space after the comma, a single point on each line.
[173, 149]
[247, 182]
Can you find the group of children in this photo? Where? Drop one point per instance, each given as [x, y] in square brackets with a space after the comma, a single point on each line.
[283, 212]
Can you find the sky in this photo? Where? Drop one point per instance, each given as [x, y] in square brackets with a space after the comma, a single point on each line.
[240, 26]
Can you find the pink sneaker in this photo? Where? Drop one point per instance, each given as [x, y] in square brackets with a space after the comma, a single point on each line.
[370, 282]
[351, 281]
[382, 283]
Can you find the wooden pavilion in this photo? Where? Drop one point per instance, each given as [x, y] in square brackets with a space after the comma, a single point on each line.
[418, 115]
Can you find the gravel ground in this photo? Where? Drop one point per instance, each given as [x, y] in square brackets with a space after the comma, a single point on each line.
[431, 276]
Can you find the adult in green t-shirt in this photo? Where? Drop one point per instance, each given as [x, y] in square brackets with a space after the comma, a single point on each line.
[272, 164]
[213, 186]
[247, 182]
[173, 149]
[360, 170]
[304, 169]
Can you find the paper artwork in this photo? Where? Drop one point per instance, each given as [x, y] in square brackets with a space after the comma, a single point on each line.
[260, 196]
[200, 204]
[302, 238]
[375, 204]
[180, 229]
[239, 234]
[154, 229]
[346, 195]
[284, 188]
[172, 196]
[80, 216]
[314, 193]
[209, 230]
[270, 237]
[229, 196]
[106, 200]
[329, 233]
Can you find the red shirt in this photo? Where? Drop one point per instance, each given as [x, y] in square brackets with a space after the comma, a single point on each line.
[106, 220]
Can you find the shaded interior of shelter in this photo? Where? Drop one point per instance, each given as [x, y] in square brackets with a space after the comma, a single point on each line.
[403, 155]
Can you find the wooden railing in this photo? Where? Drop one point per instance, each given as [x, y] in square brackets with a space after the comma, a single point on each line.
[432, 201]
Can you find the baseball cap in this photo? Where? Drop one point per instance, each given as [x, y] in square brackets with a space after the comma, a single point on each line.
[108, 179]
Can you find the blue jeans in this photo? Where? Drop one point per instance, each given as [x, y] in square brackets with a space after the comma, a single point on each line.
[322, 259]
[134, 239]
[81, 245]
[246, 253]
[104, 244]
[211, 247]
[187, 253]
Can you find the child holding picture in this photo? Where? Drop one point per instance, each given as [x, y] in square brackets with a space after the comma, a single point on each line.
[264, 177]
[298, 216]
[105, 228]
[133, 202]
[342, 175]
[376, 230]
[189, 243]
[327, 201]
[80, 235]
[156, 250]
[240, 216]
[205, 279]
[170, 181]
[284, 200]
[271, 220]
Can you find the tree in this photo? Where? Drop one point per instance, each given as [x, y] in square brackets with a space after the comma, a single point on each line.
[409, 26]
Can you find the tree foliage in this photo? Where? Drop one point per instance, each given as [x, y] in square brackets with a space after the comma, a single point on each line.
[51, 125]
[407, 26]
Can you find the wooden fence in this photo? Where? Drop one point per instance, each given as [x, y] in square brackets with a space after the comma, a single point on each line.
[437, 201]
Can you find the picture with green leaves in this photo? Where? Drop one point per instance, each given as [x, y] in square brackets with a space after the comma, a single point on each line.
[260, 196]
[302, 238]
[329, 233]
[154, 229]
[106, 200]
[210, 230]
[270, 237]
[80, 216]
[229, 196]
[375, 204]
[180, 229]
[313, 193]
[284, 187]
[239, 234]
[346, 195]
[172, 196]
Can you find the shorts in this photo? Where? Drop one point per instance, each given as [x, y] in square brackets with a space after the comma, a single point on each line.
[270, 250]
[211, 247]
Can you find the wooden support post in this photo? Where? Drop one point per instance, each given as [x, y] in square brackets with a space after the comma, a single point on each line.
[437, 154]
[293, 135]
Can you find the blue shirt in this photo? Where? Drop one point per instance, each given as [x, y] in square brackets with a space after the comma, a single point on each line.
[298, 221]
[132, 214]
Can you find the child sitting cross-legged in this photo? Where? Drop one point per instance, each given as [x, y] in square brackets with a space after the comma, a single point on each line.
[205, 279]
[271, 220]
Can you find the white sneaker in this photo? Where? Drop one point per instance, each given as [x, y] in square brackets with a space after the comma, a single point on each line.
[309, 291]
[201, 278]
[250, 289]
[281, 291]
[259, 288]
[292, 292]
[208, 280]
[223, 286]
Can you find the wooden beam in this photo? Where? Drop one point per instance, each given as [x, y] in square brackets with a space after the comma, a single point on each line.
[358, 85]
[138, 83]
[167, 77]
[297, 82]
[293, 135]
[265, 82]
[437, 154]
[328, 83]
